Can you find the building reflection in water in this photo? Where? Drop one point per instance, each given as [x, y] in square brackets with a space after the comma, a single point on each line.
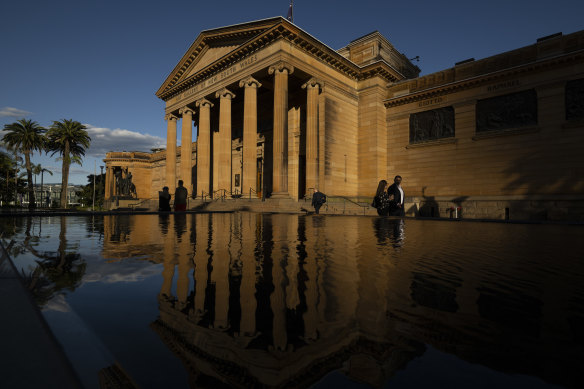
[281, 300]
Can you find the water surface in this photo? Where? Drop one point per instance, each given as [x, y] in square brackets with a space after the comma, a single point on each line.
[246, 299]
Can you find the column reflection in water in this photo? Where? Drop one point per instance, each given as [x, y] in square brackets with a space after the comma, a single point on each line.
[201, 259]
[247, 300]
[283, 298]
[185, 256]
[219, 274]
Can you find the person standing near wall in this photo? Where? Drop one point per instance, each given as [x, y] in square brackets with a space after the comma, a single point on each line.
[180, 197]
[164, 200]
[382, 200]
[395, 190]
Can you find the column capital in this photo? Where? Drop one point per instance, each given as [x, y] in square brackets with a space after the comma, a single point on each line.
[249, 82]
[280, 67]
[170, 116]
[313, 83]
[204, 102]
[185, 110]
[224, 94]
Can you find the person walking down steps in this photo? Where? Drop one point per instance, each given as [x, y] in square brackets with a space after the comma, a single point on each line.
[318, 199]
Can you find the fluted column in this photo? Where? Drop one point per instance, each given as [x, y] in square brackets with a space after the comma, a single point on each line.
[204, 147]
[280, 148]
[186, 148]
[250, 133]
[171, 151]
[312, 90]
[224, 147]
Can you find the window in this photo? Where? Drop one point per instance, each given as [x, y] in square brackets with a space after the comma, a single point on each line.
[575, 100]
[432, 125]
[509, 111]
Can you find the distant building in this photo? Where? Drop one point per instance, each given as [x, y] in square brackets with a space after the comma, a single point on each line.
[280, 113]
[51, 195]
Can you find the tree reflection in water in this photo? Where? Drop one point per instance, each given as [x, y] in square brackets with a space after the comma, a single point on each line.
[55, 271]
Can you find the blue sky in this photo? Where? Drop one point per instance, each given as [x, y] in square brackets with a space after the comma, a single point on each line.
[100, 62]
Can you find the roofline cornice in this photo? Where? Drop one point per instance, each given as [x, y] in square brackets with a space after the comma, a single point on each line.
[483, 79]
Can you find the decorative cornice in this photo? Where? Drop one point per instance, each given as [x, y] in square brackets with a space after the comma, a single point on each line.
[224, 93]
[249, 82]
[483, 79]
[204, 103]
[280, 67]
[313, 83]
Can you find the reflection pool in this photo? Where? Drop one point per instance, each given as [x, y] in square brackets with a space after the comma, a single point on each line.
[275, 300]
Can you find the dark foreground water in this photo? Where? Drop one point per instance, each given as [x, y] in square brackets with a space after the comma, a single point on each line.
[252, 300]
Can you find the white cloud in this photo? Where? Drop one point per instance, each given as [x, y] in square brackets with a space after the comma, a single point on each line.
[57, 303]
[104, 140]
[13, 112]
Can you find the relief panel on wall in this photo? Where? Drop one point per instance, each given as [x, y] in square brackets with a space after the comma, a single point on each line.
[431, 125]
[509, 111]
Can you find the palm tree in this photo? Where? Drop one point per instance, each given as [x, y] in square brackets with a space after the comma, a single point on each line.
[70, 140]
[27, 137]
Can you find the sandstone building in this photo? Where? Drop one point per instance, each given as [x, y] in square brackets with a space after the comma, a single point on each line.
[278, 113]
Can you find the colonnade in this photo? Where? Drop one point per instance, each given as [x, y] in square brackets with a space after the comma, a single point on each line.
[214, 165]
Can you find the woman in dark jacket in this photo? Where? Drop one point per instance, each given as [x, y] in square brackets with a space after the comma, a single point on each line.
[382, 201]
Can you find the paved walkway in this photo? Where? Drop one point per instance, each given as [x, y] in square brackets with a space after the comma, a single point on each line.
[30, 356]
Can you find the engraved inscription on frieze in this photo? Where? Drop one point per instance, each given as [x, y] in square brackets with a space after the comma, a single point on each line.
[432, 125]
[509, 111]
[216, 78]
[575, 100]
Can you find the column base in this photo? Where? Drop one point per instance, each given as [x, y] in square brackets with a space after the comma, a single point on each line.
[280, 195]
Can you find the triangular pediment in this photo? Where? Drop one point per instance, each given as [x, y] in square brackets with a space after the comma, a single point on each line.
[211, 45]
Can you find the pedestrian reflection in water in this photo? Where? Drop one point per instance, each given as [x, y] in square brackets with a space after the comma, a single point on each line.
[389, 231]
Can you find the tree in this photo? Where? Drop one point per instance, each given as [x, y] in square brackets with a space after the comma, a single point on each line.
[7, 171]
[70, 139]
[26, 137]
[86, 192]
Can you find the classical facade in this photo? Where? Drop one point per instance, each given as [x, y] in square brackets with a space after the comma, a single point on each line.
[279, 114]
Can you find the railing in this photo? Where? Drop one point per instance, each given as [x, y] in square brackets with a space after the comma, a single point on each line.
[332, 200]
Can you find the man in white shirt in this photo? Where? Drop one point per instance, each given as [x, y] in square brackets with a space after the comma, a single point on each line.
[396, 193]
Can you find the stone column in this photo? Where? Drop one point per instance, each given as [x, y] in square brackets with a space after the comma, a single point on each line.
[312, 90]
[108, 175]
[224, 138]
[204, 147]
[171, 152]
[250, 133]
[280, 149]
[186, 148]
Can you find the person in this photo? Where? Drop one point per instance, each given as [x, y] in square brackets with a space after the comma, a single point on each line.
[180, 197]
[382, 200]
[397, 203]
[318, 199]
[164, 200]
